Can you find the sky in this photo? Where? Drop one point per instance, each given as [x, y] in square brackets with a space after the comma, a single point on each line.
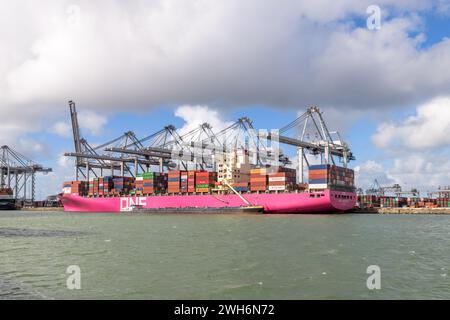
[139, 65]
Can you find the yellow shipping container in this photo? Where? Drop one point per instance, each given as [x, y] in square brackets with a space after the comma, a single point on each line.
[264, 171]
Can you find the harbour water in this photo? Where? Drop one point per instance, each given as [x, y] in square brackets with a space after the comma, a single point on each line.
[232, 256]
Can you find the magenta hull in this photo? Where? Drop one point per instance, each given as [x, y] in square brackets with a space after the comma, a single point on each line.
[326, 201]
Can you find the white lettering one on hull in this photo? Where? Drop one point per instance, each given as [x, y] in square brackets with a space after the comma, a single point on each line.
[126, 204]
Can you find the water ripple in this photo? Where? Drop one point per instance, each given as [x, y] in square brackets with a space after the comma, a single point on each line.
[17, 232]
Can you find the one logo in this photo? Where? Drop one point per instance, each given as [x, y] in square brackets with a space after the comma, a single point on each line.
[74, 280]
[374, 280]
[127, 203]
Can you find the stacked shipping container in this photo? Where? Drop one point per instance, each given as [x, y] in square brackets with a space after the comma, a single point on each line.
[241, 186]
[151, 182]
[283, 180]
[101, 187]
[325, 176]
[205, 181]
[443, 202]
[78, 187]
[108, 185]
[393, 202]
[96, 185]
[258, 179]
[123, 185]
[273, 179]
[184, 181]
[191, 181]
[368, 201]
[91, 187]
[174, 183]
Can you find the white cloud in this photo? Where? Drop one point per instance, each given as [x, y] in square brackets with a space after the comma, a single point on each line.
[368, 171]
[51, 183]
[443, 7]
[64, 162]
[410, 171]
[90, 122]
[29, 148]
[93, 123]
[422, 171]
[194, 116]
[62, 129]
[418, 146]
[139, 54]
[135, 55]
[428, 128]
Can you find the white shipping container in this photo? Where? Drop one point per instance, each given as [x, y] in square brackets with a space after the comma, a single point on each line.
[140, 179]
[277, 188]
[318, 186]
[276, 179]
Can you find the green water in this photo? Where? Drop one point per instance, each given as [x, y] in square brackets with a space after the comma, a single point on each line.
[223, 256]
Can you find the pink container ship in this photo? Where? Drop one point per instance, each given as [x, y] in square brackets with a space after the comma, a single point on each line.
[330, 189]
[239, 182]
[325, 201]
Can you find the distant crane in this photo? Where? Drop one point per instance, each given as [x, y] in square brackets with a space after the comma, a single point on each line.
[18, 173]
[377, 190]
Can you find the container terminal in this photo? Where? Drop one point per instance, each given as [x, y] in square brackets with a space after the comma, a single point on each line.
[237, 167]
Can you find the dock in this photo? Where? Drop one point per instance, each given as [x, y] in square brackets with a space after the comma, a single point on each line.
[401, 211]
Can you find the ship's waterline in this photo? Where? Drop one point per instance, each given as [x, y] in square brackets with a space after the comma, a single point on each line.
[235, 256]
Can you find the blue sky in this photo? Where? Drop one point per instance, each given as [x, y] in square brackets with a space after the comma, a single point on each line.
[384, 90]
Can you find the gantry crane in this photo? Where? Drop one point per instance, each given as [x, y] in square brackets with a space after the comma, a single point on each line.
[18, 173]
[377, 190]
[202, 147]
[88, 159]
[309, 133]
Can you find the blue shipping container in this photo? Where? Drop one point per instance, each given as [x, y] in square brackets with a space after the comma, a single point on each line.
[317, 181]
[318, 167]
